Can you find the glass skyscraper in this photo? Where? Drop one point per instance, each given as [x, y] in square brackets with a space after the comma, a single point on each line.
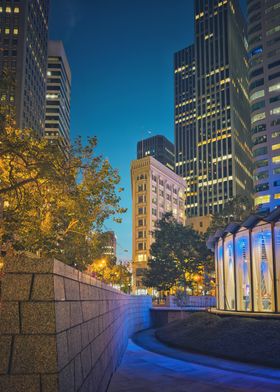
[212, 112]
[264, 55]
[58, 95]
[158, 147]
[23, 58]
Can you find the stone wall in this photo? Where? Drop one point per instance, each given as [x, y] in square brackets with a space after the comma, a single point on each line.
[163, 316]
[62, 330]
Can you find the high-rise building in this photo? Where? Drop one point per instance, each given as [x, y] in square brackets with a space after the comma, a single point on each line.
[58, 94]
[23, 57]
[264, 55]
[155, 191]
[212, 112]
[158, 147]
[109, 249]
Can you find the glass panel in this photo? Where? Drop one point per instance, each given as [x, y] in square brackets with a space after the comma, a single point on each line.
[277, 259]
[221, 275]
[229, 273]
[262, 269]
[243, 271]
[217, 277]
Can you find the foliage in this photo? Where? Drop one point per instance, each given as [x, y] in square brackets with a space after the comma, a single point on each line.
[235, 210]
[110, 272]
[54, 203]
[177, 255]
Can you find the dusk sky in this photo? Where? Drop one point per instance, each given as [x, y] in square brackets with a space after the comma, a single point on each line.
[121, 57]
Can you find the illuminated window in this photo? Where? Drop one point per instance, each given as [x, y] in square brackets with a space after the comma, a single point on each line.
[16, 10]
[257, 94]
[262, 200]
[258, 117]
[16, 31]
[276, 146]
[8, 10]
[275, 134]
[276, 159]
[142, 257]
[275, 110]
[7, 31]
[1, 9]
[274, 87]
[277, 196]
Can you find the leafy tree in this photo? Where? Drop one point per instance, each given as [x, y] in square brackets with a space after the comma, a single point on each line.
[177, 254]
[52, 203]
[235, 210]
[111, 272]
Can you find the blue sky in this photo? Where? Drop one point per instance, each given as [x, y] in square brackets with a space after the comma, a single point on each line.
[121, 57]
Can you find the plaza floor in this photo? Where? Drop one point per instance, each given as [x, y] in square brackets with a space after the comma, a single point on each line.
[165, 369]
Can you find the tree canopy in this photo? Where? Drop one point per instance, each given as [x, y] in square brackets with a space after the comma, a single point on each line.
[177, 254]
[54, 203]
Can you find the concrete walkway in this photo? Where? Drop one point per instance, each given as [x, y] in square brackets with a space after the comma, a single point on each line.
[145, 371]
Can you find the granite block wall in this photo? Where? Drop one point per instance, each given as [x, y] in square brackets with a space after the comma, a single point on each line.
[62, 330]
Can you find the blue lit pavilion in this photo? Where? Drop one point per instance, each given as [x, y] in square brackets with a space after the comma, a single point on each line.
[247, 262]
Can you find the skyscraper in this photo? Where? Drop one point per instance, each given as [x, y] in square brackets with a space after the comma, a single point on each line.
[24, 44]
[264, 54]
[58, 94]
[212, 113]
[155, 191]
[158, 147]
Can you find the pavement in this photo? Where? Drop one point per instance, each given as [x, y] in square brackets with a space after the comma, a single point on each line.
[150, 366]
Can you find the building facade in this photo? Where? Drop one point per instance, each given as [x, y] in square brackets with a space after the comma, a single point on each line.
[247, 259]
[109, 249]
[155, 190]
[23, 60]
[57, 125]
[212, 125]
[264, 55]
[158, 147]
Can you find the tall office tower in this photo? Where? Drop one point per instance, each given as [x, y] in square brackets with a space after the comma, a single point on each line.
[23, 58]
[58, 94]
[109, 249]
[158, 147]
[264, 54]
[185, 129]
[155, 190]
[222, 157]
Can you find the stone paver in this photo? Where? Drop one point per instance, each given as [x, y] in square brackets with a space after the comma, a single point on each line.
[145, 371]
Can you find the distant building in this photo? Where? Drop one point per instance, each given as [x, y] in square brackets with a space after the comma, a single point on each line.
[57, 124]
[264, 77]
[158, 147]
[24, 52]
[200, 223]
[109, 249]
[155, 191]
[212, 111]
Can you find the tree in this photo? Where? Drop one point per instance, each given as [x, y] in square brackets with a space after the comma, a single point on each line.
[235, 210]
[55, 204]
[110, 272]
[177, 254]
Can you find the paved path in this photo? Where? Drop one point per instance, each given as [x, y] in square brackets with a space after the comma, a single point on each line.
[145, 371]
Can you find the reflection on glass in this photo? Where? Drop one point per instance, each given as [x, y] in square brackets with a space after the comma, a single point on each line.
[242, 259]
[277, 259]
[221, 275]
[229, 273]
[262, 268]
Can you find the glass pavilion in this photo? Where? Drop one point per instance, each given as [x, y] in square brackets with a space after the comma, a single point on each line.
[247, 260]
